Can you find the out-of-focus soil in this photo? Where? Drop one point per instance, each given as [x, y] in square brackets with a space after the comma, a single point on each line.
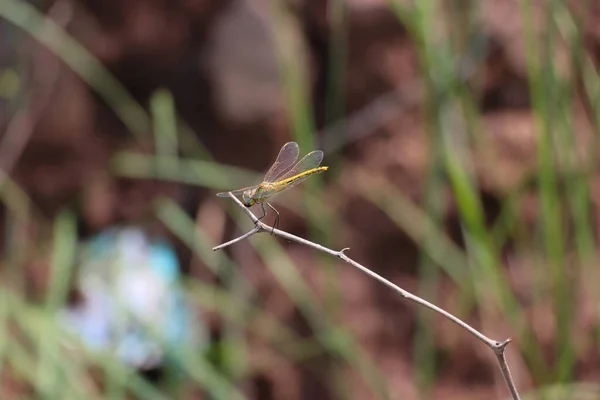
[217, 59]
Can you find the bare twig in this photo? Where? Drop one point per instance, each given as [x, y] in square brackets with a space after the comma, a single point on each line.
[244, 236]
[497, 347]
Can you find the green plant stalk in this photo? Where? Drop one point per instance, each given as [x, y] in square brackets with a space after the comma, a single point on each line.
[543, 84]
[236, 352]
[62, 264]
[289, 50]
[572, 31]
[162, 106]
[577, 195]
[338, 60]
[181, 170]
[424, 351]
[5, 339]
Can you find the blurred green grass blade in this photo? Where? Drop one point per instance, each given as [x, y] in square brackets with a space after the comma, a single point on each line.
[61, 271]
[572, 30]
[10, 83]
[19, 214]
[131, 380]
[192, 172]
[33, 320]
[20, 363]
[290, 52]
[5, 338]
[450, 115]
[544, 95]
[581, 206]
[62, 260]
[539, 368]
[509, 226]
[338, 58]
[36, 326]
[429, 276]
[571, 391]
[576, 195]
[31, 20]
[323, 223]
[351, 352]
[408, 17]
[15, 199]
[261, 323]
[115, 386]
[413, 221]
[295, 78]
[236, 353]
[218, 385]
[195, 238]
[164, 120]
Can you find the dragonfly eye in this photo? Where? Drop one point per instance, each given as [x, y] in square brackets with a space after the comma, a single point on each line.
[247, 200]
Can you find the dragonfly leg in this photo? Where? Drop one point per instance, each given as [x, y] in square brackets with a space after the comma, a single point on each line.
[276, 224]
[262, 206]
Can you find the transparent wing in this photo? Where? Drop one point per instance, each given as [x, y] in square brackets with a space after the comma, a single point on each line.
[291, 185]
[309, 161]
[237, 192]
[286, 158]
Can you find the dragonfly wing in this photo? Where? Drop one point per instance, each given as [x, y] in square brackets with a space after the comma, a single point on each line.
[237, 192]
[286, 158]
[291, 185]
[309, 161]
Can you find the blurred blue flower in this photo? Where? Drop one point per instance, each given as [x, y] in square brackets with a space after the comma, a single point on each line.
[133, 304]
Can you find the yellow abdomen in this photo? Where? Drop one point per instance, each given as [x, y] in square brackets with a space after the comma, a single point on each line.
[304, 174]
[268, 189]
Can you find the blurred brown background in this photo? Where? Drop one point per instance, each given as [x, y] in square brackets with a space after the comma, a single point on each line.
[220, 61]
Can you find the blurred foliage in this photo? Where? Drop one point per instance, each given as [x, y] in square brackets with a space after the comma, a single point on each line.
[492, 219]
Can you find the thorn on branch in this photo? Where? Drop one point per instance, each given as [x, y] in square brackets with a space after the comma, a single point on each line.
[342, 252]
[501, 346]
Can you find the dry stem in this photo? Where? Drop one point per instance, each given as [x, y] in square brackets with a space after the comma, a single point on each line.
[497, 347]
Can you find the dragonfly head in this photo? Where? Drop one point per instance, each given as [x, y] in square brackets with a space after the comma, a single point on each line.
[247, 198]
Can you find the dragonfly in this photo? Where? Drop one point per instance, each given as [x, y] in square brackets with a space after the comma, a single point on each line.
[284, 174]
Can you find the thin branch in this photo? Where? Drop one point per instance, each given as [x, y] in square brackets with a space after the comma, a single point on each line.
[497, 347]
[248, 234]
